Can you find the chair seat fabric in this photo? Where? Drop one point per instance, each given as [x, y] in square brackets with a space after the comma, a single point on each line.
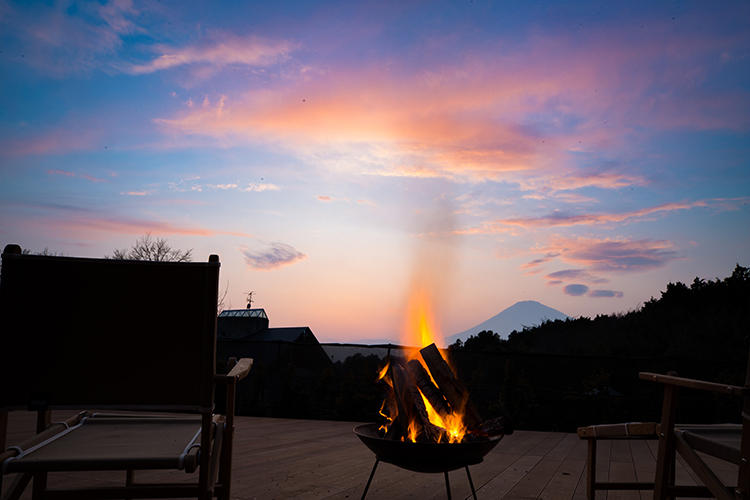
[113, 443]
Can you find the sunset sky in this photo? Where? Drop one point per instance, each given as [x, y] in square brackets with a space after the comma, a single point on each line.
[341, 156]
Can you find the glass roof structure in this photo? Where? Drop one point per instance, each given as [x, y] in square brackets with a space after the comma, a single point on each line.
[243, 313]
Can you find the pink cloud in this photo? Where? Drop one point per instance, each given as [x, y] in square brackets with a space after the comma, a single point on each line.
[561, 219]
[575, 274]
[223, 50]
[138, 226]
[62, 138]
[604, 180]
[461, 122]
[66, 173]
[615, 255]
[323, 197]
[72, 219]
[558, 219]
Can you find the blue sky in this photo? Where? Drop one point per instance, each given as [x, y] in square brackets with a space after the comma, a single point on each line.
[341, 157]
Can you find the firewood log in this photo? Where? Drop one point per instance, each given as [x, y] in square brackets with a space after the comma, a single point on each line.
[430, 391]
[411, 408]
[454, 391]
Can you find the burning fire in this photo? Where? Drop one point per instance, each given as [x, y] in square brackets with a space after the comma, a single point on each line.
[444, 424]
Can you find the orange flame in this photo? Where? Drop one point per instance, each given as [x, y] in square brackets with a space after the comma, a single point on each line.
[420, 328]
[388, 419]
[452, 423]
[383, 372]
[412, 431]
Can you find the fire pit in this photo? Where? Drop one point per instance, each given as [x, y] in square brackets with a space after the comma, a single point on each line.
[425, 457]
[429, 424]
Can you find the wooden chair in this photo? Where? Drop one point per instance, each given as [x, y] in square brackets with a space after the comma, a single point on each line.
[727, 442]
[593, 433]
[114, 335]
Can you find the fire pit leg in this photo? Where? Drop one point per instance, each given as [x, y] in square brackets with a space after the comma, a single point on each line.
[471, 483]
[367, 486]
[447, 485]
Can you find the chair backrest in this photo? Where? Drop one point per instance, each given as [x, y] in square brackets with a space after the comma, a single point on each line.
[83, 333]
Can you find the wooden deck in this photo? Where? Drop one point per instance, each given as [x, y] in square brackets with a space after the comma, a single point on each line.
[283, 458]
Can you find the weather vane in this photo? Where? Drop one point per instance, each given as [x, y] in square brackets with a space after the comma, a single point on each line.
[250, 299]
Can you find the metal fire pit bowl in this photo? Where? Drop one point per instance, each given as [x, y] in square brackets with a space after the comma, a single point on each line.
[424, 457]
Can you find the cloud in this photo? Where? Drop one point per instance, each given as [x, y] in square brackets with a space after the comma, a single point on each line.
[71, 218]
[538, 262]
[575, 274]
[66, 173]
[275, 256]
[575, 290]
[504, 114]
[561, 219]
[615, 255]
[603, 180]
[323, 197]
[69, 135]
[605, 293]
[133, 225]
[224, 50]
[260, 187]
[63, 41]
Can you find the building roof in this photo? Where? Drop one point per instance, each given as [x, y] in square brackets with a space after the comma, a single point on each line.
[287, 334]
[243, 313]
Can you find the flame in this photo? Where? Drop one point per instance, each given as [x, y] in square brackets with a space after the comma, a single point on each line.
[383, 375]
[452, 423]
[383, 372]
[420, 326]
[412, 431]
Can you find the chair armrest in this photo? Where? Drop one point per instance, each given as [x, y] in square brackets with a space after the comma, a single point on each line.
[238, 372]
[629, 430]
[701, 385]
[241, 369]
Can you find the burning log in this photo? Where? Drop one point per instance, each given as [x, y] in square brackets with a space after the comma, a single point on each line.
[454, 391]
[429, 390]
[411, 409]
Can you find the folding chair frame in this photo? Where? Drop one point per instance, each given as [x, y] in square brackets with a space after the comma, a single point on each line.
[85, 276]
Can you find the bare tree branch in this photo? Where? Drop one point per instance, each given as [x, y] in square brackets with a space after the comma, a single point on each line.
[153, 249]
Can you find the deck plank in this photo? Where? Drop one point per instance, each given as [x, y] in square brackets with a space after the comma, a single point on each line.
[278, 458]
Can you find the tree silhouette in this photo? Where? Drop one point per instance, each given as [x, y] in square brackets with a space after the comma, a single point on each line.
[153, 249]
